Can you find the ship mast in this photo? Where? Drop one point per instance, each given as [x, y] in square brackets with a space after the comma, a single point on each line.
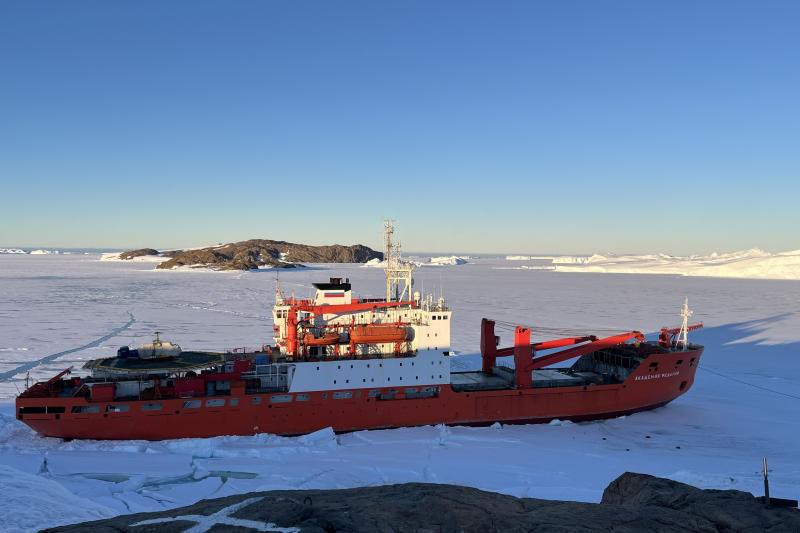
[683, 334]
[398, 272]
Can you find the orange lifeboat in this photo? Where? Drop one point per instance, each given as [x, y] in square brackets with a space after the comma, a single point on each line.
[327, 339]
[378, 333]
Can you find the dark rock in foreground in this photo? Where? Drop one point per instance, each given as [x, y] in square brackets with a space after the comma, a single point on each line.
[255, 253]
[633, 502]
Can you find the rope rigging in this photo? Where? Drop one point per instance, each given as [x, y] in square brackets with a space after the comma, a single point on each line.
[555, 332]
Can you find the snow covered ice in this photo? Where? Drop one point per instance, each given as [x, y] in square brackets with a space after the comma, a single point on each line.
[61, 310]
[755, 264]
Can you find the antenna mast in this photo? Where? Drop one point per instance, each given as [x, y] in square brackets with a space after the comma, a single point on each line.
[278, 292]
[683, 335]
[397, 271]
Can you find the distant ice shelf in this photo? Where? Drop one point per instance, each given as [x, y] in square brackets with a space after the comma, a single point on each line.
[754, 263]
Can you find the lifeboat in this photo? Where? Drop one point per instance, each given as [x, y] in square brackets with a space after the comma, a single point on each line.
[378, 333]
[327, 339]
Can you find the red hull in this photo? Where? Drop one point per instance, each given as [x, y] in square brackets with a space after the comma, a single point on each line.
[294, 414]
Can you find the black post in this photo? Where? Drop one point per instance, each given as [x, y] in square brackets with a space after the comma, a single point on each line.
[766, 482]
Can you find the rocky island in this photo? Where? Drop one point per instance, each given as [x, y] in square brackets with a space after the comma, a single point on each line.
[255, 253]
[631, 503]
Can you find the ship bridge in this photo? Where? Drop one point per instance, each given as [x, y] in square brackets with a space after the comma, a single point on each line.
[334, 292]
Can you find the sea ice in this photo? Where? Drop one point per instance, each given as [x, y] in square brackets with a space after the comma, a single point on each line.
[68, 309]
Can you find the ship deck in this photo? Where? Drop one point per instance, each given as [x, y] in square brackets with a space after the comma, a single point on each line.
[133, 365]
[503, 378]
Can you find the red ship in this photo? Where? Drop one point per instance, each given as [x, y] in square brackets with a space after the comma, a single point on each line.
[351, 364]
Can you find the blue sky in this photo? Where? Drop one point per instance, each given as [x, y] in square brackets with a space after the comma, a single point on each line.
[560, 127]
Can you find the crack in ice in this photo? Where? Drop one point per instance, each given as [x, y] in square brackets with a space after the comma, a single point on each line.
[52, 357]
[204, 523]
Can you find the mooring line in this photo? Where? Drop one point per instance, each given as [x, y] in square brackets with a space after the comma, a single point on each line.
[50, 358]
[750, 384]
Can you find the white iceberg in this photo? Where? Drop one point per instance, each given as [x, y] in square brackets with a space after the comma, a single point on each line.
[448, 260]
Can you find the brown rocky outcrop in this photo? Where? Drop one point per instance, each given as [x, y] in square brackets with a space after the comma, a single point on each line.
[138, 253]
[632, 503]
[246, 255]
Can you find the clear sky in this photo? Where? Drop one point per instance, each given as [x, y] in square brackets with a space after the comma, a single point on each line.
[561, 126]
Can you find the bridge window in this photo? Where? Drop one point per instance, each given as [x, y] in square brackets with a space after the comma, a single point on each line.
[192, 404]
[86, 409]
[216, 402]
[119, 408]
[151, 406]
[302, 397]
[342, 395]
[34, 410]
[256, 400]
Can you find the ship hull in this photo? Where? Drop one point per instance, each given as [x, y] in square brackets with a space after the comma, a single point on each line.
[359, 409]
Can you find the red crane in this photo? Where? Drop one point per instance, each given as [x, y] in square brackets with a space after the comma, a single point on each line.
[524, 352]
